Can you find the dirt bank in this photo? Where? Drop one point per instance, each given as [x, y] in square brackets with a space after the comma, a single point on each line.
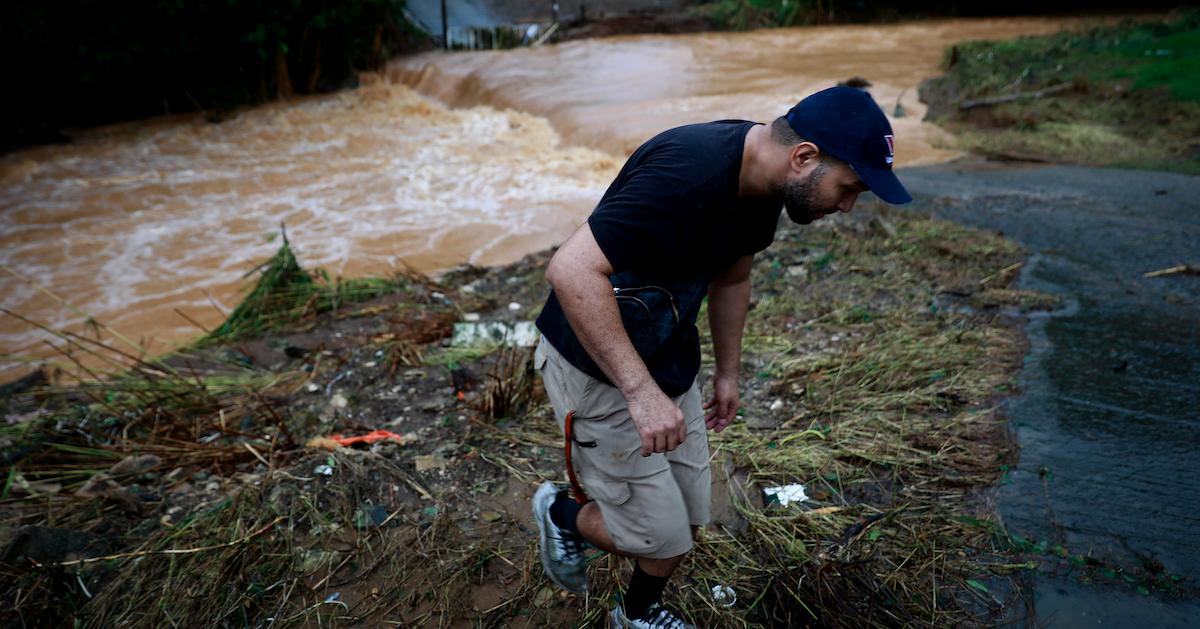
[876, 351]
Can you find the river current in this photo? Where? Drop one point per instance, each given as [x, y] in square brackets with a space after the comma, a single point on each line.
[442, 159]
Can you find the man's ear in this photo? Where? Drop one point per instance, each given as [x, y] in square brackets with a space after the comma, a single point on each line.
[803, 154]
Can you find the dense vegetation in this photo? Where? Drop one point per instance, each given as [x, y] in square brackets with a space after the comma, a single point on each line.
[86, 62]
[741, 14]
[1125, 94]
[77, 63]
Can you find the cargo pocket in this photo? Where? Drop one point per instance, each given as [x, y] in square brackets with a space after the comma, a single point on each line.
[607, 490]
[539, 357]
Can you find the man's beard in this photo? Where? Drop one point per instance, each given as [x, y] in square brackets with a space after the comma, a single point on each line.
[800, 197]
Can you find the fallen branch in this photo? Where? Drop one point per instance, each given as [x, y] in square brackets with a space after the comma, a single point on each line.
[1174, 270]
[1008, 98]
[173, 551]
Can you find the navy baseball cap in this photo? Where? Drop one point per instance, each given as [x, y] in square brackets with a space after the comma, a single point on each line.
[846, 123]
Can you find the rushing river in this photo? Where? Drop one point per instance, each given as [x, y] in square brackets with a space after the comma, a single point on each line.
[449, 158]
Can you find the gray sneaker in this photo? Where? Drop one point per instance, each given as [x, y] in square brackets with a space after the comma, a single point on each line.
[561, 551]
[658, 617]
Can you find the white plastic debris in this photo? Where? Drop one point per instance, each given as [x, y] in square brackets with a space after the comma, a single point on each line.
[724, 595]
[776, 405]
[323, 470]
[786, 494]
[520, 334]
[471, 317]
[514, 306]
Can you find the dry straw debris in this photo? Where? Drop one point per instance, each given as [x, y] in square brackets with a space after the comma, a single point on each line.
[873, 370]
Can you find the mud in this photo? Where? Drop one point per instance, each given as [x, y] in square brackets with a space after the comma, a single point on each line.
[1107, 421]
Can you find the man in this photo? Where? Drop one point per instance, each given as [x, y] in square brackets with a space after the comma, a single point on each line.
[620, 351]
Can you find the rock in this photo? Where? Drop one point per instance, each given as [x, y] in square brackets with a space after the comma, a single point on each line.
[134, 465]
[369, 516]
[101, 486]
[514, 306]
[544, 597]
[426, 462]
[313, 559]
[490, 516]
[339, 401]
[797, 270]
[312, 387]
[776, 405]
[46, 545]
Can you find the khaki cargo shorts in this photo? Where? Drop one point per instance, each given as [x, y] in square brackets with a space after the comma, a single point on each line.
[649, 503]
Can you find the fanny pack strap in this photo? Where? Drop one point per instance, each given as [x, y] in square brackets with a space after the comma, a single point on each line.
[576, 488]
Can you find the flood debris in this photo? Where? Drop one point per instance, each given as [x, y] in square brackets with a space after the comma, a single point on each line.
[1174, 270]
[723, 596]
[786, 494]
[519, 334]
[167, 473]
[374, 436]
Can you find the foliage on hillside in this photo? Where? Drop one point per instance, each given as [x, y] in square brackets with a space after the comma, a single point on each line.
[1114, 95]
[83, 62]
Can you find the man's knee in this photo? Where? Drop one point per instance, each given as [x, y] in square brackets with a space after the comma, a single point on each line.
[664, 541]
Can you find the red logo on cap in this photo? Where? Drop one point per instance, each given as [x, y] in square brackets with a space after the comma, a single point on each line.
[891, 142]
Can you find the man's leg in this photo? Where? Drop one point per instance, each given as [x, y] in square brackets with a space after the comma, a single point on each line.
[591, 525]
[638, 509]
[649, 575]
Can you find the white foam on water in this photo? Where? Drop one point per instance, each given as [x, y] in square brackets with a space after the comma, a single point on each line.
[142, 219]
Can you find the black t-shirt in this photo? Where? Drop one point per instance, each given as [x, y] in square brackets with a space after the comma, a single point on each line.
[672, 218]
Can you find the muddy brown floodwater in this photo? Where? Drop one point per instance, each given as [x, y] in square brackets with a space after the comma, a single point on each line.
[495, 154]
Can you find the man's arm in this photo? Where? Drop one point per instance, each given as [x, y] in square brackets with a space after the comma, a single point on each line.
[579, 274]
[728, 300]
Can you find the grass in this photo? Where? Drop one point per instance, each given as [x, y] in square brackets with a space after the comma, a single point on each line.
[888, 428]
[285, 293]
[750, 14]
[887, 415]
[1133, 97]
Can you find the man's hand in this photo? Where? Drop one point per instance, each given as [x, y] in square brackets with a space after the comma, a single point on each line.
[722, 408]
[728, 300]
[658, 421]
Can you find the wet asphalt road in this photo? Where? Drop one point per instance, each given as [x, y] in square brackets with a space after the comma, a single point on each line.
[1109, 415]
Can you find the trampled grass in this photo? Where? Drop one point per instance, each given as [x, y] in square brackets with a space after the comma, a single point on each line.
[862, 380]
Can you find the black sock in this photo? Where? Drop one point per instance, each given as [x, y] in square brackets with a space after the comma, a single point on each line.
[564, 511]
[644, 590]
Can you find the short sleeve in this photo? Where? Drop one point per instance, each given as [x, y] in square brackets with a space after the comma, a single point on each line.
[652, 219]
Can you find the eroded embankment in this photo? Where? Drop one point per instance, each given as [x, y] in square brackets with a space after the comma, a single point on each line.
[875, 354]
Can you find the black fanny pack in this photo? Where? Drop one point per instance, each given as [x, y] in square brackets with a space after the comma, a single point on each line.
[650, 316]
[659, 316]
